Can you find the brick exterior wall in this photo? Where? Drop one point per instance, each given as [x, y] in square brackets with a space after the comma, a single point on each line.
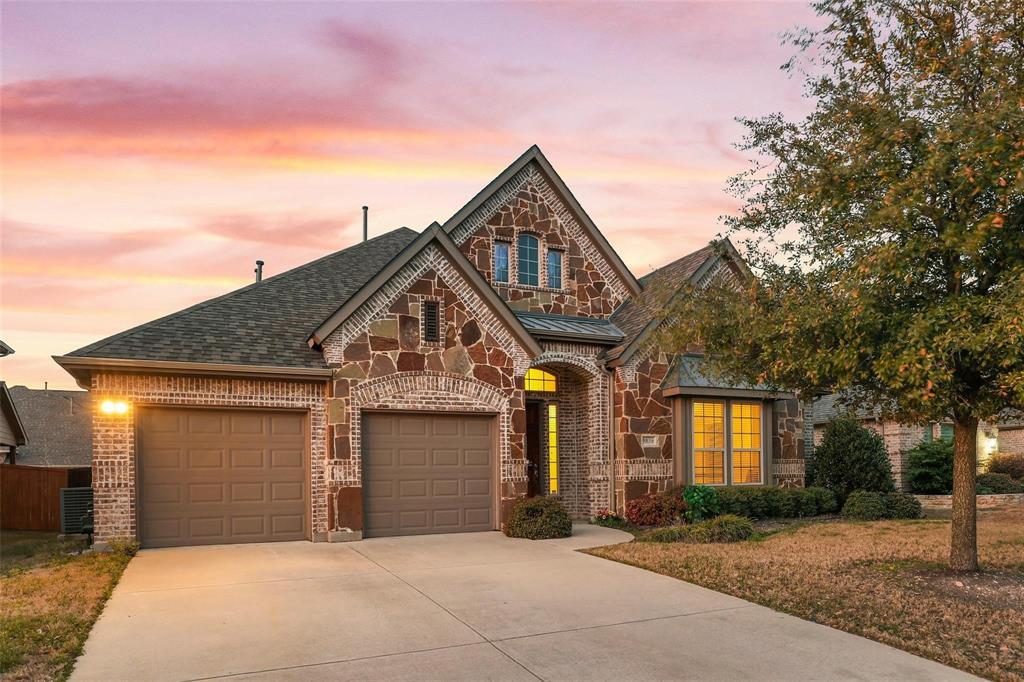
[590, 287]
[113, 436]
[788, 449]
[1011, 440]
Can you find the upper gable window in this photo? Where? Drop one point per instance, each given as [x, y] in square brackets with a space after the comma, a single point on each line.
[555, 269]
[528, 260]
[501, 262]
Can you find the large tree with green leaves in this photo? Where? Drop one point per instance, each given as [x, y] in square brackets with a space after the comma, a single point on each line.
[886, 228]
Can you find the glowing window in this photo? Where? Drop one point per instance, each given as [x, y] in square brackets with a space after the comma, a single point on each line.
[539, 380]
[528, 260]
[746, 443]
[552, 449]
[708, 442]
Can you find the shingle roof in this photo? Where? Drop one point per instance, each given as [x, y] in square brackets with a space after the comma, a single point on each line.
[633, 316]
[829, 407]
[58, 425]
[549, 325]
[266, 323]
[5, 349]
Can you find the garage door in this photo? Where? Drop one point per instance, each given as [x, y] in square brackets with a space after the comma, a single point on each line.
[221, 476]
[426, 473]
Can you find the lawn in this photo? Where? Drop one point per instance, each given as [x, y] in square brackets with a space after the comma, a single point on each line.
[884, 580]
[50, 595]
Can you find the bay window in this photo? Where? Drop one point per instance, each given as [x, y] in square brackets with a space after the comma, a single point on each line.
[728, 445]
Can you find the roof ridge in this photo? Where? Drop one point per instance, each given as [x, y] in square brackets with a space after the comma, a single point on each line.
[96, 345]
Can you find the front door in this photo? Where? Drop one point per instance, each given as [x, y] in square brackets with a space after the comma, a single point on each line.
[533, 412]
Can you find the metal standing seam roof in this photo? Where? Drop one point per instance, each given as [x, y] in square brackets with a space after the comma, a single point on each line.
[688, 372]
[588, 329]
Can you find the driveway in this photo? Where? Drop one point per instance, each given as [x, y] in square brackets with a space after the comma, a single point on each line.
[470, 606]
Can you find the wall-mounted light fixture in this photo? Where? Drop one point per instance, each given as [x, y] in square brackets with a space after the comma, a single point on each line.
[114, 407]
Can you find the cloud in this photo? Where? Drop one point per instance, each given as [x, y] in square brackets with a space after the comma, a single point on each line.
[285, 229]
[383, 60]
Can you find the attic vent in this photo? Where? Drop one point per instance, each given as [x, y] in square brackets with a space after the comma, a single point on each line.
[431, 326]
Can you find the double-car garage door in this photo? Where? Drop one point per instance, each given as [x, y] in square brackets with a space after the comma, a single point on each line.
[211, 476]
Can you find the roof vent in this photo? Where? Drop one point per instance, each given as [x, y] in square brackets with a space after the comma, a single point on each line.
[259, 270]
[366, 224]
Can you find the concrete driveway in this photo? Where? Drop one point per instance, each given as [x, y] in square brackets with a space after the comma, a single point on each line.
[443, 607]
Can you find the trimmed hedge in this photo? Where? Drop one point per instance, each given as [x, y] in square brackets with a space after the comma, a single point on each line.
[998, 484]
[538, 518]
[725, 528]
[852, 457]
[1006, 463]
[771, 502]
[869, 505]
[930, 468]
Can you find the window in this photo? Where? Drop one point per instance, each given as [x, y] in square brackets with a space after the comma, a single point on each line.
[552, 449]
[746, 443]
[528, 260]
[721, 457]
[709, 443]
[555, 269]
[501, 262]
[431, 323]
[946, 432]
[539, 380]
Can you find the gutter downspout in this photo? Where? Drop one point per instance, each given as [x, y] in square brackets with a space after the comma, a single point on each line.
[611, 440]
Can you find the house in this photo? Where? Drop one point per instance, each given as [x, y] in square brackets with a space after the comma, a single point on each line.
[12, 430]
[1005, 435]
[420, 383]
[59, 426]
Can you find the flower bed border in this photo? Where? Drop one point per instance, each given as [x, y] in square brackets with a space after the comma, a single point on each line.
[984, 501]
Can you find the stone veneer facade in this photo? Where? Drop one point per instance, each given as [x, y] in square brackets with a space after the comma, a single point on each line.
[380, 360]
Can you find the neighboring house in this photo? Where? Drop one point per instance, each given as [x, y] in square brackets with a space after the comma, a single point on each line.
[1007, 435]
[5, 350]
[59, 426]
[421, 383]
[12, 430]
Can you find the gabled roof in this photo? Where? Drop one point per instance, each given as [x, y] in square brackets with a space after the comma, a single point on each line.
[5, 349]
[265, 324]
[59, 424]
[584, 329]
[10, 410]
[535, 156]
[639, 317]
[689, 376]
[434, 234]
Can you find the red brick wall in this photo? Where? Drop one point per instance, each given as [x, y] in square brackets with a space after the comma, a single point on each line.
[114, 451]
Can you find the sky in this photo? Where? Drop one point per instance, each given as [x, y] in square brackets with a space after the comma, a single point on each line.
[152, 151]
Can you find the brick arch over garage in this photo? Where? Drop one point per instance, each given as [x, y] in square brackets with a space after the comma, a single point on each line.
[427, 392]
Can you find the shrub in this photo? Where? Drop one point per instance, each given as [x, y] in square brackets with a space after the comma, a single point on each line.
[865, 505]
[733, 501]
[824, 499]
[609, 519]
[998, 484]
[930, 468]
[538, 518]
[772, 501]
[902, 506]
[1011, 464]
[756, 501]
[852, 457]
[725, 528]
[655, 510]
[701, 502]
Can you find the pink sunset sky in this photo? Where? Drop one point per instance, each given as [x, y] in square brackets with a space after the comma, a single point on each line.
[153, 151]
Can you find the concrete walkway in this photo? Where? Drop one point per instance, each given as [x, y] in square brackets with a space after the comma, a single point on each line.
[444, 607]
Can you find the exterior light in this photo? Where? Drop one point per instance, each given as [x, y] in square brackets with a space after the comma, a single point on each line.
[114, 407]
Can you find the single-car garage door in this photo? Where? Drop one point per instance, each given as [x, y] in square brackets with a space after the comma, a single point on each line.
[221, 476]
[427, 473]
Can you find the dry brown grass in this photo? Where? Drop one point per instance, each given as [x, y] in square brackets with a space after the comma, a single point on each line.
[883, 580]
[46, 611]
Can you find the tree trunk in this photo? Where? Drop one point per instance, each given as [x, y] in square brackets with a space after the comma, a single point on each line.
[963, 546]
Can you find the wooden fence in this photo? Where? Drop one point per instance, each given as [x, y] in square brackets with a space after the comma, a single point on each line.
[30, 496]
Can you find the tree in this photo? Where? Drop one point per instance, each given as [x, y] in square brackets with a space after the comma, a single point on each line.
[886, 228]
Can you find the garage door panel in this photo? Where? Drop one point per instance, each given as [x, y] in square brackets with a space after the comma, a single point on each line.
[222, 476]
[422, 474]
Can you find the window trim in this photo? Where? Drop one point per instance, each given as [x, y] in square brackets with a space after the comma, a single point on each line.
[508, 261]
[519, 259]
[728, 450]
